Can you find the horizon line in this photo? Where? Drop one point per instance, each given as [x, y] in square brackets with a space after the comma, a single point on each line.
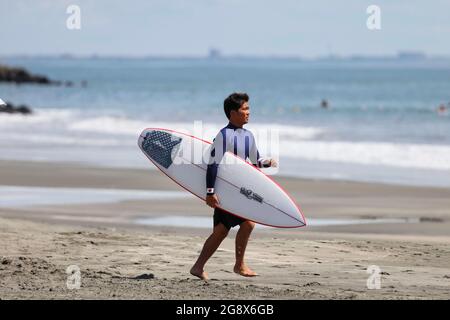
[216, 55]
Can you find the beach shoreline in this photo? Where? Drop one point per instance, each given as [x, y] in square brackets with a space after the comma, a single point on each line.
[330, 262]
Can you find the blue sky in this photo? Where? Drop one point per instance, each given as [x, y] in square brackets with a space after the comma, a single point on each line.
[252, 27]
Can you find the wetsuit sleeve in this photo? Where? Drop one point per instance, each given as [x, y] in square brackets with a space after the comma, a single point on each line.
[211, 174]
[216, 155]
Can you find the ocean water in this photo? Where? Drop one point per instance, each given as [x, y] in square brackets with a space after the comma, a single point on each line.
[382, 123]
[205, 222]
[22, 197]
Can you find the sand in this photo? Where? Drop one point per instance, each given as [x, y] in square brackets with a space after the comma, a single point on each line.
[118, 259]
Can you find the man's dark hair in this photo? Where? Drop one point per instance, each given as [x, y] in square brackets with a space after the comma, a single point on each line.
[234, 102]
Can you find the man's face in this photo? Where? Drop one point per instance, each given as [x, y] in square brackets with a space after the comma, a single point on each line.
[242, 115]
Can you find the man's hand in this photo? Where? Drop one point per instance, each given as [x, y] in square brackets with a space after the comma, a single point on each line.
[212, 200]
[269, 163]
[273, 163]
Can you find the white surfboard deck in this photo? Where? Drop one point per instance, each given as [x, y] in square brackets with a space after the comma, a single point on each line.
[242, 189]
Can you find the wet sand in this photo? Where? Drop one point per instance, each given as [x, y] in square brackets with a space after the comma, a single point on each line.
[328, 262]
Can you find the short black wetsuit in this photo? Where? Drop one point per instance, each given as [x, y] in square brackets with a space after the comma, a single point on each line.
[227, 219]
[242, 143]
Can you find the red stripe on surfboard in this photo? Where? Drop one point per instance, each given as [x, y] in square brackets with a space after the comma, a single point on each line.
[253, 167]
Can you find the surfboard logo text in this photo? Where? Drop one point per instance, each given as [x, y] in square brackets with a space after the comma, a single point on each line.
[251, 195]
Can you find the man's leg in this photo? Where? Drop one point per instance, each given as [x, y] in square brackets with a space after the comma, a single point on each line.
[220, 232]
[242, 236]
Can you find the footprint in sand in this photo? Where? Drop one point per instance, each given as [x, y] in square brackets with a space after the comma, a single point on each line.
[144, 276]
[312, 284]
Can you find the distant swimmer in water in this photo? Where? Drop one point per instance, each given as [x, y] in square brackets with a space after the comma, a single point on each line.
[324, 104]
[442, 109]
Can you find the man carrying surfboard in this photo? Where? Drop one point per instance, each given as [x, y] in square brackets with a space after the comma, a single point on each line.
[236, 139]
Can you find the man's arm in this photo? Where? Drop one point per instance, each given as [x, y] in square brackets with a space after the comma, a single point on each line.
[211, 174]
[216, 156]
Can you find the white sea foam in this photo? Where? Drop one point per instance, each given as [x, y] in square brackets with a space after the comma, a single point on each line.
[49, 127]
[107, 124]
[39, 117]
[45, 139]
[207, 131]
[419, 156]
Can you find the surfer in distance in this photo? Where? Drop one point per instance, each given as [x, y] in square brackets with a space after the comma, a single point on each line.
[442, 110]
[240, 141]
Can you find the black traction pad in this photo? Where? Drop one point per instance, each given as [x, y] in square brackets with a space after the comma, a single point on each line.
[159, 145]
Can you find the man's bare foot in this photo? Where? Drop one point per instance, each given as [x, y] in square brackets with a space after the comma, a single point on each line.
[244, 271]
[199, 273]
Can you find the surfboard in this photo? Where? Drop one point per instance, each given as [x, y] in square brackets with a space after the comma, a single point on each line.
[243, 190]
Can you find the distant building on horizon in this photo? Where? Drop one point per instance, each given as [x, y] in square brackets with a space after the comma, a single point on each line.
[411, 55]
[214, 53]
